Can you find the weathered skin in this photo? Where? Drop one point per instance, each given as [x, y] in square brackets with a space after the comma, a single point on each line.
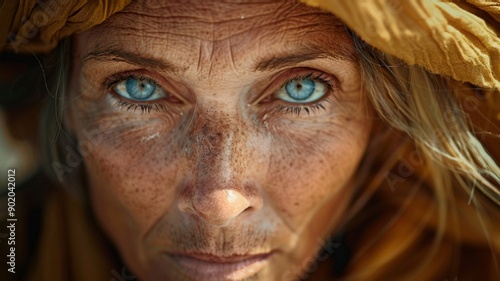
[218, 169]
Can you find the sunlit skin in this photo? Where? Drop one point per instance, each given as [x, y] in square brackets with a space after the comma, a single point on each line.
[221, 165]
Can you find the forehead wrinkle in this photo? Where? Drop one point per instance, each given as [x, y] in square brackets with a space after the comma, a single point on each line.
[209, 21]
[290, 26]
[323, 41]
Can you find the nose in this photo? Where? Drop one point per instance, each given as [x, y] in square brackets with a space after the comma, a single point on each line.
[220, 207]
[224, 178]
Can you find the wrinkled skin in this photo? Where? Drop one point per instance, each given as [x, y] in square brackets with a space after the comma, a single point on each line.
[217, 166]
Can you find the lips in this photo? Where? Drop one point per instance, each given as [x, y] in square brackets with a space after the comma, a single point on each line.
[208, 267]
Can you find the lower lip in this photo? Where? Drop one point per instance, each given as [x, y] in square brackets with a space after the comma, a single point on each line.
[204, 270]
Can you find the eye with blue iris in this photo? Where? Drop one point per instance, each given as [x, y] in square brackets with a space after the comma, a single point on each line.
[139, 89]
[302, 91]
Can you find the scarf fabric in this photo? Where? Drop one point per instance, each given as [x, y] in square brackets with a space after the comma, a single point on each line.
[34, 26]
[458, 39]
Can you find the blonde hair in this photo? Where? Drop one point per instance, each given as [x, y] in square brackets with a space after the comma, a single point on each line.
[419, 206]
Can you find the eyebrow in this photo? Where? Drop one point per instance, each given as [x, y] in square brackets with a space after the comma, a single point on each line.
[278, 62]
[118, 55]
[269, 64]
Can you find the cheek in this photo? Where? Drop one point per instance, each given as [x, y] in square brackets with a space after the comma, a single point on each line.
[133, 165]
[314, 167]
[311, 182]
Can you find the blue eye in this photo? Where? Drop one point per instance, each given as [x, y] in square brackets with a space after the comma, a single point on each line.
[139, 89]
[302, 91]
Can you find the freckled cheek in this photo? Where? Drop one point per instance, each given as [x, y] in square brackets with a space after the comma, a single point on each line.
[302, 181]
[136, 172]
[306, 187]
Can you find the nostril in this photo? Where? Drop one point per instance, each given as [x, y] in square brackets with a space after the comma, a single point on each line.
[218, 207]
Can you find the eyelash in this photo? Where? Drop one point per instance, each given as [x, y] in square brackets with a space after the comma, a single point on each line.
[297, 109]
[123, 104]
[145, 108]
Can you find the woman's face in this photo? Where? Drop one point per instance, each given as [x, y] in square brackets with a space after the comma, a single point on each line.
[220, 140]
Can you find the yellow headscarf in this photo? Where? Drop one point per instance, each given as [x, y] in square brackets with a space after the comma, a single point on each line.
[459, 39]
[37, 26]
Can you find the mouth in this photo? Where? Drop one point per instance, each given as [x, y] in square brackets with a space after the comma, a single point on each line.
[207, 267]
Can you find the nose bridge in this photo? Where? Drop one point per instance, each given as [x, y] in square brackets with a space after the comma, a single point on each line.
[222, 186]
[218, 142]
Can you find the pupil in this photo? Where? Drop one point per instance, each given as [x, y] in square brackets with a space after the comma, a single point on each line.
[139, 89]
[300, 89]
[142, 86]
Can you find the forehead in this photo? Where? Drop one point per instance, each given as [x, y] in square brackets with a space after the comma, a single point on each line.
[218, 20]
[224, 32]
